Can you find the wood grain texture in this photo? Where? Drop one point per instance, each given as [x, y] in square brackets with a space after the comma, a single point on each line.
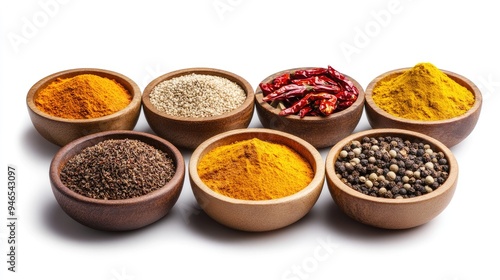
[386, 212]
[61, 131]
[262, 215]
[319, 131]
[117, 215]
[450, 132]
[190, 132]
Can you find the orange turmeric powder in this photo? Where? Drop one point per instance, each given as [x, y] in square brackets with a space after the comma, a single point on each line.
[255, 170]
[84, 96]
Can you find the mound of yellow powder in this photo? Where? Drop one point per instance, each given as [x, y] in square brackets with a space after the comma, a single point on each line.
[423, 93]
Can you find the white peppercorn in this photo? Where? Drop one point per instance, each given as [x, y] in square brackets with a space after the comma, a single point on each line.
[391, 175]
[429, 180]
[343, 153]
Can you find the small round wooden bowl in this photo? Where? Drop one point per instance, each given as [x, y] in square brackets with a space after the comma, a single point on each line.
[190, 132]
[61, 131]
[390, 213]
[261, 215]
[450, 132]
[123, 214]
[319, 131]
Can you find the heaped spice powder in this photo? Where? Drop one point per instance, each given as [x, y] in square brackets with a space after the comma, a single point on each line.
[84, 96]
[118, 169]
[423, 92]
[197, 95]
[255, 169]
[391, 167]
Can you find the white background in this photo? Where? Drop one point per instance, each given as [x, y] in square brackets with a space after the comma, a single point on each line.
[144, 39]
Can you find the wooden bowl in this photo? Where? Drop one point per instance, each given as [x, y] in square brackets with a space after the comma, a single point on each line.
[450, 132]
[391, 213]
[261, 215]
[190, 132]
[123, 214]
[61, 131]
[319, 131]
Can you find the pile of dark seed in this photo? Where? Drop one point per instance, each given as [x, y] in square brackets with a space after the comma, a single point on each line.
[117, 169]
[391, 167]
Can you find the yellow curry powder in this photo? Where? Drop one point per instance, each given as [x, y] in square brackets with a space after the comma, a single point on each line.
[423, 93]
[255, 170]
[84, 96]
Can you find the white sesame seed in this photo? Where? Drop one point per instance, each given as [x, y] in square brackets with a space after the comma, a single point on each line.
[197, 95]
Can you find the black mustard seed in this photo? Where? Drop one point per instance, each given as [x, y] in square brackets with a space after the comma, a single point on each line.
[117, 169]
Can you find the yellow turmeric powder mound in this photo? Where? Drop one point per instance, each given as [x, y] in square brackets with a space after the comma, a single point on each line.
[255, 170]
[84, 96]
[423, 93]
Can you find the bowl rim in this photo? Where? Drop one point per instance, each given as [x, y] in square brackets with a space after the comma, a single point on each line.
[124, 81]
[176, 182]
[478, 99]
[446, 186]
[239, 80]
[316, 182]
[265, 105]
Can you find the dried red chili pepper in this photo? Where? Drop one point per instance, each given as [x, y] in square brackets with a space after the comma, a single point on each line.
[305, 111]
[266, 88]
[346, 96]
[327, 106]
[306, 81]
[281, 80]
[316, 80]
[295, 108]
[282, 90]
[335, 74]
[311, 92]
[327, 80]
[293, 90]
[322, 95]
[310, 97]
[275, 83]
[306, 73]
[344, 105]
[347, 84]
[334, 89]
